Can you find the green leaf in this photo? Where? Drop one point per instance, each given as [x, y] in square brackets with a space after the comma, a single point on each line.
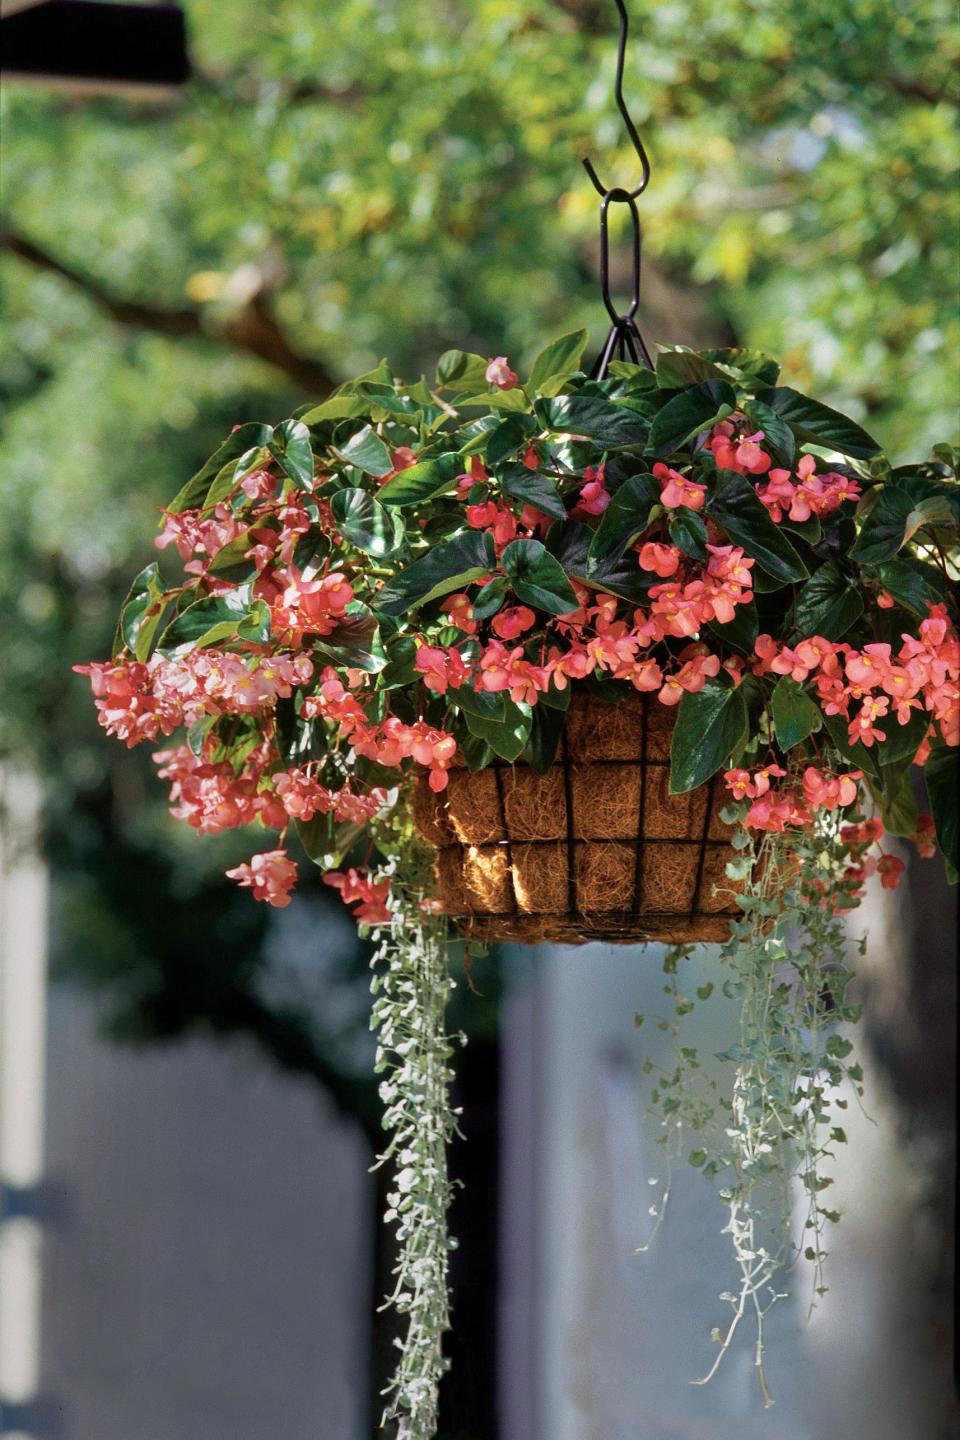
[858, 754]
[496, 400]
[690, 412]
[367, 452]
[626, 517]
[450, 566]
[753, 363]
[680, 367]
[400, 669]
[711, 725]
[560, 357]
[811, 421]
[942, 776]
[903, 741]
[746, 520]
[490, 598]
[741, 632]
[894, 796]
[795, 715]
[828, 603]
[688, 533]
[508, 437]
[365, 523]
[884, 531]
[421, 481]
[777, 435]
[484, 704]
[206, 621]
[537, 578]
[594, 416]
[507, 737]
[290, 447]
[355, 643]
[141, 613]
[534, 489]
[226, 480]
[460, 370]
[338, 407]
[547, 725]
[912, 584]
[244, 438]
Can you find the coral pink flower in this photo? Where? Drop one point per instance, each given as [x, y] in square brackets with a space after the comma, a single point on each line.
[510, 623]
[271, 876]
[459, 610]
[925, 837]
[890, 870]
[594, 497]
[678, 490]
[661, 559]
[369, 896]
[499, 373]
[749, 457]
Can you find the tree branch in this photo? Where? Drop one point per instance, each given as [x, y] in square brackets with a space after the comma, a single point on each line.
[254, 329]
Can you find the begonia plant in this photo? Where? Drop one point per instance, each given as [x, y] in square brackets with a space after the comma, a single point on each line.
[409, 575]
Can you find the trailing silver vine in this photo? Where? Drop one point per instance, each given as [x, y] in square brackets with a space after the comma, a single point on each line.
[786, 966]
[411, 986]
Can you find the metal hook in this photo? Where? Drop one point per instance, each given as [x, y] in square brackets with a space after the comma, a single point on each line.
[623, 339]
[600, 188]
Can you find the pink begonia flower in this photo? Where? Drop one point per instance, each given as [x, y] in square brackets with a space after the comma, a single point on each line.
[890, 870]
[885, 600]
[459, 610]
[499, 373]
[512, 622]
[661, 559]
[925, 837]
[369, 896]
[594, 497]
[271, 876]
[750, 457]
[678, 490]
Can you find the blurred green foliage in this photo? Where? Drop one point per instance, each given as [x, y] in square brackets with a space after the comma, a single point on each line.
[372, 177]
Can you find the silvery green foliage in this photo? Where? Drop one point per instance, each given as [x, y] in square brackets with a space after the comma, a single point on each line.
[775, 1125]
[411, 986]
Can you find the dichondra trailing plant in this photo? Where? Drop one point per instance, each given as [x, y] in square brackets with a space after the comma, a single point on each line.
[410, 578]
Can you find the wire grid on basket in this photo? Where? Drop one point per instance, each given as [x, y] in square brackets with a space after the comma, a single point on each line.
[596, 849]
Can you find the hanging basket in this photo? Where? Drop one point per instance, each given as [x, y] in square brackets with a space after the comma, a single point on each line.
[596, 849]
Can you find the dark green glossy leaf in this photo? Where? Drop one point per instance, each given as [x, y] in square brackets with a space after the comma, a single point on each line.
[681, 367]
[421, 481]
[903, 741]
[546, 727]
[741, 632]
[290, 447]
[355, 642]
[912, 584]
[884, 530]
[207, 621]
[690, 412]
[367, 452]
[626, 517]
[507, 736]
[942, 776]
[510, 434]
[365, 523]
[537, 578]
[898, 807]
[592, 415]
[226, 480]
[141, 613]
[560, 357]
[449, 566]
[244, 438]
[490, 598]
[400, 669]
[795, 715]
[536, 489]
[485, 704]
[711, 726]
[816, 423]
[858, 754]
[746, 520]
[778, 438]
[688, 533]
[828, 603]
